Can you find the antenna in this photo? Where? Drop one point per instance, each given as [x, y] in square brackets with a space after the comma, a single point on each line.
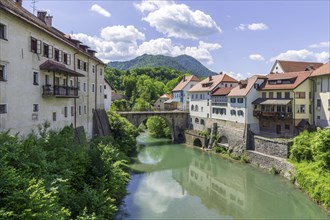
[33, 5]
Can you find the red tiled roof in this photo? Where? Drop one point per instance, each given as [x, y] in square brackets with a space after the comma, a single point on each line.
[210, 83]
[296, 66]
[184, 82]
[222, 91]
[321, 71]
[298, 78]
[20, 12]
[243, 91]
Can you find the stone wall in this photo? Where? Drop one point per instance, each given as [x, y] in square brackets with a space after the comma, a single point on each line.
[273, 147]
[270, 162]
[191, 136]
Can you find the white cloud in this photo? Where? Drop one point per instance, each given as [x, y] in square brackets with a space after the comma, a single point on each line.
[252, 27]
[237, 76]
[123, 43]
[98, 9]
[177, 20]
[256, 57]
[303, 55]
[320, 45]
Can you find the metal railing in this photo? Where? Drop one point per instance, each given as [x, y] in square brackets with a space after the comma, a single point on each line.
[61, 91]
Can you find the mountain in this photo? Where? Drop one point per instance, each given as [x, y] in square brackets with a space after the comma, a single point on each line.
[183, 63]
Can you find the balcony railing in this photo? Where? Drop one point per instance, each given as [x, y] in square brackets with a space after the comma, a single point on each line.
[60, 91]
[279, 115]
[219, 103]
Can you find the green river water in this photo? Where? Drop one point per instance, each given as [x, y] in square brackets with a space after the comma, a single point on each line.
[178, 182]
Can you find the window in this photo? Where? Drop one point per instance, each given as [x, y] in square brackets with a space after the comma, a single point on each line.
[201, 109]
[101, 72]
[192, 107]
[196, 120]
[35, 107]
[3, 74]
[202, 122]
[208, 102]
[79, 110]
[54, 116]
[263, 95]
[3, 34]
[35, 78]
[72, 110]
[93, 68]
[67, 58]
[85, 66]
[100, 88]
[65, 112]
[48, 51]
[287, 127]
[93, 87]
[78, 85]
[85, 109]
[300, 95]
[240, 113]
[35, 46]
[240, 100]
[318, 103]
[287, 95]
[3, 108]
[58, 55]
[271, 95]
[232, 100]
[196, 108]
[300, 108]
[279, 95]
[232, 112]
[79, 64]
[84, 87]
[105, 96]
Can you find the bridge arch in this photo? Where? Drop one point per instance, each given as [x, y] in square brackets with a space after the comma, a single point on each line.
[198, 142]
[177, 121]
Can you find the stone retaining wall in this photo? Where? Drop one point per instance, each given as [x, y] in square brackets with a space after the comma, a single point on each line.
[273, 147]
[270, 162]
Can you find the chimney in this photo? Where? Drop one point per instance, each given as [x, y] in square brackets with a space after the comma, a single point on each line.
[42, 15]
[184, 78]
[210, 78]
[48, 20]
[19, 2]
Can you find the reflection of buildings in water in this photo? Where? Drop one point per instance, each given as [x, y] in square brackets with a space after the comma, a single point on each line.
[221, 192]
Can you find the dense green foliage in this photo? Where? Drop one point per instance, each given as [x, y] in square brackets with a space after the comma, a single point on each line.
[310, 154]
[142, 86]
[158, 127]
[51, 177]
[182, 63]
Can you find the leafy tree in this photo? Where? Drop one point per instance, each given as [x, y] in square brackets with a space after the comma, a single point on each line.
[158, 127]
[141, 105]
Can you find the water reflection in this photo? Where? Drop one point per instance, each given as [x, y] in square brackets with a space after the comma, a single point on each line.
[180, 182]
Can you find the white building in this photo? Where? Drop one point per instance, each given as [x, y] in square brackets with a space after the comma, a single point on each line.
[285, 66]
[45, 75]
[180, 92]
[107, 94]
[200, 97]
[321, 83]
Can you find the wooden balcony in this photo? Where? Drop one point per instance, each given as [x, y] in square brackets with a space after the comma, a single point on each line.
[278, 115]
[60, 91]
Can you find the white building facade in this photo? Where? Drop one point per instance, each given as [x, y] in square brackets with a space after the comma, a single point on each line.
[45, 75]
[107, 94]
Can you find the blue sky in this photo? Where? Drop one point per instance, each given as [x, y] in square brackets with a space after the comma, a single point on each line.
[237, 37]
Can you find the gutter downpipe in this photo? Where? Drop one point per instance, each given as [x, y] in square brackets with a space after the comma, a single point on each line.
[75, 99]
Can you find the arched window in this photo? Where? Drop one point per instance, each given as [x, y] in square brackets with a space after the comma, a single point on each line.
[232, 112]
[202, 122]
[196, 120]
[192, 107]
[196, 108]
[240, 112]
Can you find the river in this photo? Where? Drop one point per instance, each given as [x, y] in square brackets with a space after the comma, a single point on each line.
[178, 182]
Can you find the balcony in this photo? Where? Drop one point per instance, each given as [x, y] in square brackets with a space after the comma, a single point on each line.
[60, 91]
[219, 104]
[278, 115]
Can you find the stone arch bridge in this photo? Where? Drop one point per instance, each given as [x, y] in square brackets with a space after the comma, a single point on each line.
[177, 121]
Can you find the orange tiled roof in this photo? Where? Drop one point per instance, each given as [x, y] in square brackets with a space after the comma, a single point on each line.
[243, 91]
[20, 12]
[295, 66]
[184, 82]
[222, 91]
[166, 96]
[211, 82]
[321, 71]
[296, 77]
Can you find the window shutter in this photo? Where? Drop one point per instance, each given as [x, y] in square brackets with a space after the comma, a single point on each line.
[38, 47]
[60, 55]
[5, 73]
[50, 51]
[69, 59]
